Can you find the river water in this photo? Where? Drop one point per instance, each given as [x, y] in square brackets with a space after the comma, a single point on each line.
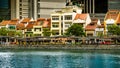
[58, 59]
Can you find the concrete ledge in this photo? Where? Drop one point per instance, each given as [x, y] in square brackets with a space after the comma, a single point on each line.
[63, 47]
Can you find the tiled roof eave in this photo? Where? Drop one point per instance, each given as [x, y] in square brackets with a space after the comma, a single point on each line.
[89, 29]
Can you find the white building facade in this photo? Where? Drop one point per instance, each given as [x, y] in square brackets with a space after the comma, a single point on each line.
[65, 18]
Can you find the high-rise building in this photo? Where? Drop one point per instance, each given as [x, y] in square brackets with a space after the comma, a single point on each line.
[35, 8]
[98, 8]
[10, 9]
[20, 8]
[114, 4]
[5, 9]
[43, 8]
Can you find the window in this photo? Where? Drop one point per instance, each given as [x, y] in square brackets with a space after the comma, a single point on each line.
[55, 17]
[55, 25]
[20, 0]
[38, 16]
[20, 9]
[20, 4]
[68, 17]
[37, 29]
[11, 27]
[20, 13]
[20, 17]
[61, 17]
[67, 25]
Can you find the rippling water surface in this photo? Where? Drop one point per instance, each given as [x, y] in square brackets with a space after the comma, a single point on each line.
[60, 59]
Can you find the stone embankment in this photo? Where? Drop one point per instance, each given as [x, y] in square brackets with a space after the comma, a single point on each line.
[65, 47]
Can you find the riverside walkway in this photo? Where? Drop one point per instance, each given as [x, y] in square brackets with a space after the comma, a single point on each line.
[65, 47]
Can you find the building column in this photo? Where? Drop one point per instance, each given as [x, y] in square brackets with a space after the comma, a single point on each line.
[90, 5]
[84, 6]
[60, 25]
[93, 6]
[87, 6]
[17, 9]
[35, 9]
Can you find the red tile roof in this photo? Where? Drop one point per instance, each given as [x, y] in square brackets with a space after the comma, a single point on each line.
[36, 23]
[25, 20]
[49, 20]
[100, 26]
[20, 26]
[45, 24]
[40, 19]
[112, 14]
[118, 19]
[94, 19]
[29, 26]
[13, 22]
[90, 27]
[4, 23]
[80, 16]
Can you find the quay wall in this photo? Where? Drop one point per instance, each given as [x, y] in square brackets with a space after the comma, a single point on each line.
[62, 47]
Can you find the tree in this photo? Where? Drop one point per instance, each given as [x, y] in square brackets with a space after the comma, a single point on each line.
[14, 33]
[46, 32]
[76, 30]
[4, 31]
[113, 30]
[18, 33]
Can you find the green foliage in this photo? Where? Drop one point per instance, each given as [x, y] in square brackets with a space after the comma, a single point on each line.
[12, 33]
[100, 34]
[4, 32]
[76, 30]
[113, 30]
[46, 32]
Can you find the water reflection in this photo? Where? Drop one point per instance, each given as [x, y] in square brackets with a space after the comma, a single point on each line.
[58, 60]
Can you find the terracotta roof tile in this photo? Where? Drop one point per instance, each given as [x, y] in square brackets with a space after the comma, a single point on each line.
[90, 27]
[80, 16]
[25, 20]
[94, 19]
[118, 19]
[112, 14]
[36, 23]
[40, 19]
[20, 26]
[4, 23]
[29, 26]
[100, 26]
[13, 22]
[45, 24]
[49, 20]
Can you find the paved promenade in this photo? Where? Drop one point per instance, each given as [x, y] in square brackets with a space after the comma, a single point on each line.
[65, 47]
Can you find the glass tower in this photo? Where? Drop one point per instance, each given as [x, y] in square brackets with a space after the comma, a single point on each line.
[98, 6]
[93, 6]
[5, 9]
[114, 4]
